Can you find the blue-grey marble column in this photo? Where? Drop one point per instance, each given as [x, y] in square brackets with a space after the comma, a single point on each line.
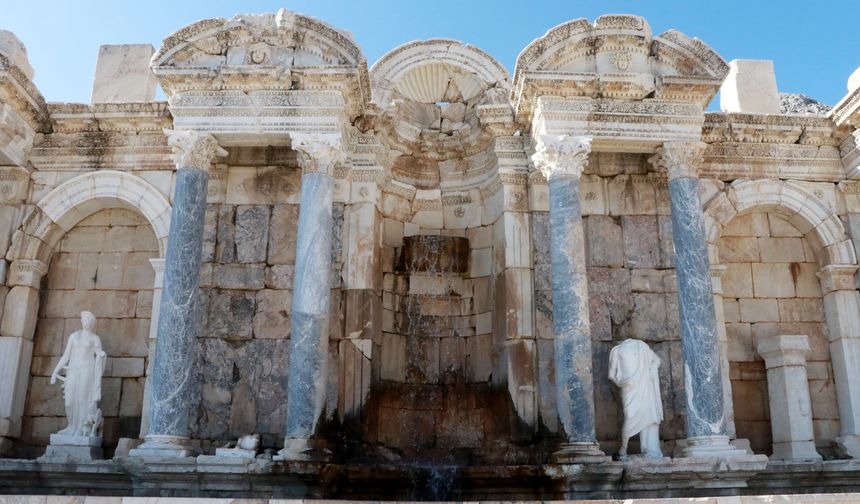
[306, 393]
[562, 160]
[178, 324]
[706, 422]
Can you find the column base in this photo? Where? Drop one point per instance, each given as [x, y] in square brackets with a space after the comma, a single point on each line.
[797, 450]
[847, 446]
[711, 447]
[580, 453]
[300, 449]
[156, 445]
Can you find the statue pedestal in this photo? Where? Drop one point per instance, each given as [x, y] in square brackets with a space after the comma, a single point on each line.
[65, 448]
[235, 453]
[580, 453]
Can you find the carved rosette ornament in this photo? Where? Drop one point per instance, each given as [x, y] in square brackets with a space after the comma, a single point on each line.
[680, 159]
[193, 149]
[561, 156]
[318, 153]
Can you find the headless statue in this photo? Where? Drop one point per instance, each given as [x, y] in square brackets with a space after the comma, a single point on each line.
[633, 366]
[83, 362]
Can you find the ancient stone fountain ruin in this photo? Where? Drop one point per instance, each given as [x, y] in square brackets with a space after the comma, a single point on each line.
[318, 279]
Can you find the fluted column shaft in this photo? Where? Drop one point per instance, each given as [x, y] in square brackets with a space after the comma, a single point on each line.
[318, 155]
[562, 160]
[178, 322]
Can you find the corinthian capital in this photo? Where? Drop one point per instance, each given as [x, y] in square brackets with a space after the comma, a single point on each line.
[193, 149]
[561, 156]
[318, 152]
[680, 159]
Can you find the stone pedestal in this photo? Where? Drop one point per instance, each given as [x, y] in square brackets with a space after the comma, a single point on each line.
[788, 392]
[706, 419]
[178, 322]
[562, 160]
[311, 292]
[63, 448]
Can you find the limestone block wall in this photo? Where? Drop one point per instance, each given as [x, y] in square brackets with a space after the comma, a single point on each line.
[770, 287]
[101, 265]
[243, 353]
[632, 287]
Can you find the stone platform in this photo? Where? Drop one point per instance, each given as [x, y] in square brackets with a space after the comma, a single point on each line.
[265, 479]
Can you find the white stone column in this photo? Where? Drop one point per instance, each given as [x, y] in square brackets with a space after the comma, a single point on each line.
[842, 313]
[157, 284]
[16, 343]
[788, 394]
[318, 155]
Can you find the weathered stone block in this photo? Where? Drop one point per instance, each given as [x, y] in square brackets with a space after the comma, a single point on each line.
[252, 233]
[123, 337]
[737, 280]
[759, 310]
[781, 250]
[801, 310]
[131, 401]
[239, 276]
[225, 247]
[648, 318]
[750, 87]
[740, 342]
[604, 244]
[393, 358]
[280, 276]
[231, 314]
[123, 74]
[750, 224]
[772, 280]
[641, 241]
[742, 249]
[282, 234]
[124, 367]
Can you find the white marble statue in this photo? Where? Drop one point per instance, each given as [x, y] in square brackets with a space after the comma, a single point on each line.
[633, 366]
[84, 363]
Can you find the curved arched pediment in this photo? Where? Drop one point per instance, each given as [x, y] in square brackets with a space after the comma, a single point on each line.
[274, 51]
[616, 57]
[283, 39]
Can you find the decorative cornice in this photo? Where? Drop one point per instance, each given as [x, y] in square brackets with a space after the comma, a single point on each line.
[680, 159]
[192, 149]
[561, 156]
[318, 152]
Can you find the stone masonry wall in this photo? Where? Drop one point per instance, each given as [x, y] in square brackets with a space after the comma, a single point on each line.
[101, 265]
[632, 288]
[770, 287]
[243, 352]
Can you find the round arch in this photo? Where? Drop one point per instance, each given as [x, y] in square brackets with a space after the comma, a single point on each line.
[72, 201]
[804, 210]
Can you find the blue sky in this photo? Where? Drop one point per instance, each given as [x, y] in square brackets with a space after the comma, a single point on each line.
[814, 45]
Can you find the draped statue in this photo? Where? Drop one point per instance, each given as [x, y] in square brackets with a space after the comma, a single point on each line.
[83, 362]
[633, 366]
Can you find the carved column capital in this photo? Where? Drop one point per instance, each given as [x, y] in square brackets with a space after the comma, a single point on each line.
[193, 149]
[561, 156]
[836, 277]
[680, 159]
[318, 152]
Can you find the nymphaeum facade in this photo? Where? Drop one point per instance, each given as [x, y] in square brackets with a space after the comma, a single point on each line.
[431, 260]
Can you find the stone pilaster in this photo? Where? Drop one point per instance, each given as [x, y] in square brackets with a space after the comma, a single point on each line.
[16, 343]
[706, 419]
[157, 286]
[842, 312]
[717, 271]
[318, 155]
[178, 323]
[788, 393]
[562, 160]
